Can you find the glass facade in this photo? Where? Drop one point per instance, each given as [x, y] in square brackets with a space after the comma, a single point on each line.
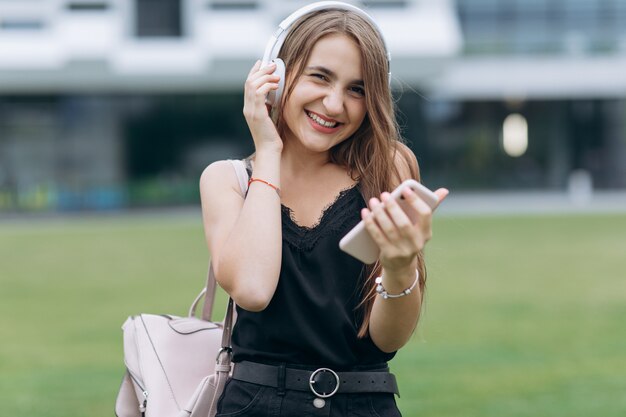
[543, 26]
[99, 151]
[102, 152]
[158, 18]
[460, 144]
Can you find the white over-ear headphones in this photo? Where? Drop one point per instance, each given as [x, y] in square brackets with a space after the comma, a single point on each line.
[276, 41]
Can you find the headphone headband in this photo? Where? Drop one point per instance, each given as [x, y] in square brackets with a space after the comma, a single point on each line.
[276, 41]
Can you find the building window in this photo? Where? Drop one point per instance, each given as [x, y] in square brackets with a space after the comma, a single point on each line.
[233, 5]
[384, 4]
[21, 24]
[79, 6]
[158, 18]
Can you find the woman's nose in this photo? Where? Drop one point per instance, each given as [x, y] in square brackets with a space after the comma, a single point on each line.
[333, 101]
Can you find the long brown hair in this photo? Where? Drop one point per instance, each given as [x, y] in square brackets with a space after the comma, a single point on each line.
[370, 154]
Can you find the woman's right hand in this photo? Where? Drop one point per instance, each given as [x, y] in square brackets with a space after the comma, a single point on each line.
[259, 83]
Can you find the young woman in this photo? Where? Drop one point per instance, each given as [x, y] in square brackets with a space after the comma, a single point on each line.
[313, 336]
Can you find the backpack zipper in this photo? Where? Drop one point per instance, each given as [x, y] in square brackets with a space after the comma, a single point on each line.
[142, 406]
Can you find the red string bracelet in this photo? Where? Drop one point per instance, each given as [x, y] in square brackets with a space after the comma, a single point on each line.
[264, 182]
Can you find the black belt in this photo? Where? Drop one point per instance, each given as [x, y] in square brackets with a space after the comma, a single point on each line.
[323, 382]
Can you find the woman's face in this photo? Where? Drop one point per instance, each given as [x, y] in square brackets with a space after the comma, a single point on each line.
[327, 104]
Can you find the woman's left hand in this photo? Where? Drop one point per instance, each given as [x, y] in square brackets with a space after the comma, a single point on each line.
[399, 239]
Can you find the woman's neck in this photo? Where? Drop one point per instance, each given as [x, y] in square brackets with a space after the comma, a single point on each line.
[298, 161]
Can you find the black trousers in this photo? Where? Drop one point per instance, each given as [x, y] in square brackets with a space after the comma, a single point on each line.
[251, 400]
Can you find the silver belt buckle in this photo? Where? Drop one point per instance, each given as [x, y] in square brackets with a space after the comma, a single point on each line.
[323, 394]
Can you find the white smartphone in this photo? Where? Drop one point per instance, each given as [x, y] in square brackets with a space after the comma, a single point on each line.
[358, 242]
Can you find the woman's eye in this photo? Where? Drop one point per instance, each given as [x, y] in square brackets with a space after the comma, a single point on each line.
[320, 76]
[358, 90]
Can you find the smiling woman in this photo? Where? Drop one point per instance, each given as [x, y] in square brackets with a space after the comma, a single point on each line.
[311, 326]
[324, 108]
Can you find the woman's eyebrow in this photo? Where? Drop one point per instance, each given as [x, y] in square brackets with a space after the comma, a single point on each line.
[332, 75]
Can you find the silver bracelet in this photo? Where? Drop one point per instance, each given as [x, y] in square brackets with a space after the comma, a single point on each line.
[383, 292]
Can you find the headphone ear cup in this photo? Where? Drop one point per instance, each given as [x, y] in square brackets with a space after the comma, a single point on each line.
[273, 98]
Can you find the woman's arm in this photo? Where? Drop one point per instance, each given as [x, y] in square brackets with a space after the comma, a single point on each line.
[393, 320]
[244, 235]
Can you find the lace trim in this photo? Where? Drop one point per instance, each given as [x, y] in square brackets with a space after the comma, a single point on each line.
[332, 221]
[346, 206]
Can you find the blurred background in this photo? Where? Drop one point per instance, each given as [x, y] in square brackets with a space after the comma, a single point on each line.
[111, 109]
[109, 104]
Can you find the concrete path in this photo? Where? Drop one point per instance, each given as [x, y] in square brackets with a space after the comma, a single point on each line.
[511, 203]
[457, 204]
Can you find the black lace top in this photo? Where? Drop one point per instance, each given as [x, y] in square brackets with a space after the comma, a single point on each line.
[312, 318]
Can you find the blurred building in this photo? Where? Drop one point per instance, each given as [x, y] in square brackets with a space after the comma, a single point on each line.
[109, 103]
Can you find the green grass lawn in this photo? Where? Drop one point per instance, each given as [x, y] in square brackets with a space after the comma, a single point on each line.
[524, 316]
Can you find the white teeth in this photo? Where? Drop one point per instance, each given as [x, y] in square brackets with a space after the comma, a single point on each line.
[321, 121]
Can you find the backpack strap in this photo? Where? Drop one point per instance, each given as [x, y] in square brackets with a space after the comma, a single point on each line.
[211, 285]
[242, 174]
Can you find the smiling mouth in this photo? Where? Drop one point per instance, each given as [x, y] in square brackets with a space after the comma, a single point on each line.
[321, 121]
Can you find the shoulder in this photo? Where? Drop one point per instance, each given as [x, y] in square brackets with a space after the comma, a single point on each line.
[219, 175]
[216, 168]
[405, 163]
